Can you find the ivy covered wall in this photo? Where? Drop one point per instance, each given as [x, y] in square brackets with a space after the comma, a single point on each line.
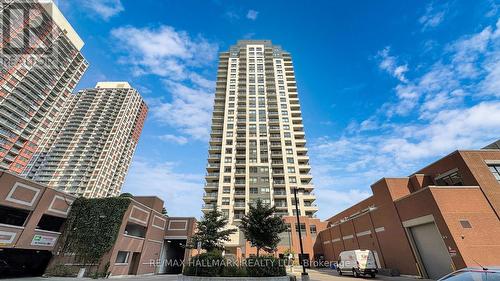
[92, 227]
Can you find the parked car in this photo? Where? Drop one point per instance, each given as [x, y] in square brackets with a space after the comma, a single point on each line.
[473, 274]
[357, 263]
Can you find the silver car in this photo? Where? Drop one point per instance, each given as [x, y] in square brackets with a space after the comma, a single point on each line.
[473, 274]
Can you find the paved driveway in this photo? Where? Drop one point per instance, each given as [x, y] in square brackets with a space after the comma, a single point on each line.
[328, 274]
[315, 275]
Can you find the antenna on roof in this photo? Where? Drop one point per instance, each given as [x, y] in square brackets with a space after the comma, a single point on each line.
[482, 267]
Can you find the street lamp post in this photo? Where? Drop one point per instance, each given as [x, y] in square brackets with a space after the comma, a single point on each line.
[305, 276]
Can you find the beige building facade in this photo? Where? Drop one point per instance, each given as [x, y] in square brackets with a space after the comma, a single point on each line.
[88, 150]
[257, 146]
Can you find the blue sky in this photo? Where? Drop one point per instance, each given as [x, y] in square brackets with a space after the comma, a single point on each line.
[385, 87]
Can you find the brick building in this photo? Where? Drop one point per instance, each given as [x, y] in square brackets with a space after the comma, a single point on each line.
[441, 218]
[32, 216]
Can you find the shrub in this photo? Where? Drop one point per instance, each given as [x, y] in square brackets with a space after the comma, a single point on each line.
[209, 264]
[60, 270]
[234, 271]
[265, 266]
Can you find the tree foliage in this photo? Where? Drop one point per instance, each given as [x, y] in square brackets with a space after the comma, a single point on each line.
[92, 227]
[261, 227]
[211, 231]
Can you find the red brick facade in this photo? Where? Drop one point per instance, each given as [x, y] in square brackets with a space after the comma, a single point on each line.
[466, 215]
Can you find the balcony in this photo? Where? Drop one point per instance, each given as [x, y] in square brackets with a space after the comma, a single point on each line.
[210, 196]
[239, 205]
[208, 207]
[212, 175]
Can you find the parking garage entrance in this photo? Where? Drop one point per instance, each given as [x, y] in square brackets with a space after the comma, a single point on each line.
[23, 262]
[175, 250]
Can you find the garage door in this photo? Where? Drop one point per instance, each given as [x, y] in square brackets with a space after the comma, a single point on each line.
[432, 250]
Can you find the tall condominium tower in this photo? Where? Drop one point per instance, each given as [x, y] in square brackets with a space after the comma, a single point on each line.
[39, 68]
[89, 149]
[257, 146]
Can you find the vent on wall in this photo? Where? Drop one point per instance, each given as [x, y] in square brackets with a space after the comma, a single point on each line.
[465, 224]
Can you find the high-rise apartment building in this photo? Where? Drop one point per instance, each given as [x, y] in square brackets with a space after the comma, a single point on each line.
[257, 146]
[39, 68]
[89, 149]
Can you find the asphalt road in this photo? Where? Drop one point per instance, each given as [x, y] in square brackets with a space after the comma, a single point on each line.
[314, 275]
[328, 274]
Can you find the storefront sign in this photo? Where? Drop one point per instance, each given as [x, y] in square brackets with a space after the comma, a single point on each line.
[43, 240]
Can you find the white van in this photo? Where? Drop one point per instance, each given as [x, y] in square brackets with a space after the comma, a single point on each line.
[357, 263]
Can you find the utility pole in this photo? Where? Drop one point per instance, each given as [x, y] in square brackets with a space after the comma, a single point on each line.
[305, 276]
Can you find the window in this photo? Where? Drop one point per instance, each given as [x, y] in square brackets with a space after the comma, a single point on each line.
[312, 228]
[291, 169]
[254, 190]
[226, 190]
[302, 228]
[122, 257]
[50, 223]
[293, 180]
[13, 216]
[495, 170]
[227, 169]
[253, 180]
[451, 178]
[225, 200]
[289, 160]
[134, 229]
[227, 179]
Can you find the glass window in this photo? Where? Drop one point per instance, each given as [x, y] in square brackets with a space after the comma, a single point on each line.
[122, 257]
[312, 228]
[452, 179]
[495, 170]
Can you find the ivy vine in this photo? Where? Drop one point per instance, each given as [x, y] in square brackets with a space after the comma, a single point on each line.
[92, 227]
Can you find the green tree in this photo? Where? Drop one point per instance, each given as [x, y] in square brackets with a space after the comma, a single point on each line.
[262, 227]
[126, 195]
[210, 231]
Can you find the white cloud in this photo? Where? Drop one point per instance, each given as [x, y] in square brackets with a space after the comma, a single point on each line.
[252, 14]
[173, 138]
[431, 18]
[468, 67]
[105, 9]
[389, 63]
[232, 15]
[163, 51]
[444, 108]
[345, 168]
[189, 111]
[178, 59]
[181, 192]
